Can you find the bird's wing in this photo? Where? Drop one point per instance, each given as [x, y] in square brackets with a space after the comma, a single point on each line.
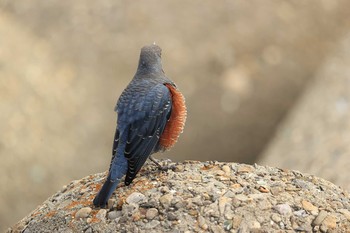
[144, 132]
[115, 145]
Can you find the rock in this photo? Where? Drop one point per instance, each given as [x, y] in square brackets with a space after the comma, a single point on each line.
[164, 189]
[276, 190]
[345, 212]
[129, 209]
[300, 213]
[309, 207]
[189, 205]
[114, 214]
[101, 214]
[241, 197]
[217, 229]
[222, 203]
[263, 189]
[283, 209]
[110, 203]
[151, 213]
[171, 216]
[254, 225]
[227, 170]
[245, 169]
[83, 212]
[202, 223]
[276, 218]
[165, 200]
[236, 222]
[228, 225]
[320, 217]
[329, 222]
[152, 224]
[135, 198]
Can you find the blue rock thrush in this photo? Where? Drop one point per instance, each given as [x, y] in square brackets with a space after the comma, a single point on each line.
[151, 116]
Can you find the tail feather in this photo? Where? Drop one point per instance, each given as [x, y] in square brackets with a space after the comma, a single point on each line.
[117, 170]
[106, 192]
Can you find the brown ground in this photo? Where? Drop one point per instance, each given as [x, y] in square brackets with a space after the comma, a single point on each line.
[63, 65]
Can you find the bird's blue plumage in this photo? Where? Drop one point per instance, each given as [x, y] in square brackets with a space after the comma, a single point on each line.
[143, 111]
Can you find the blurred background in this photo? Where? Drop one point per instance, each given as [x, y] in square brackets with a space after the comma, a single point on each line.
[259, 77]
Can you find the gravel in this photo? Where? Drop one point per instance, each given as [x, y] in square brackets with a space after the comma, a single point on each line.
[83, 212]
[195, 197]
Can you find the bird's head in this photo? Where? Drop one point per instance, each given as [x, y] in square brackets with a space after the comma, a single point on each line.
[150, 59]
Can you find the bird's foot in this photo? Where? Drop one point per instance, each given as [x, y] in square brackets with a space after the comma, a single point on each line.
[161, 167]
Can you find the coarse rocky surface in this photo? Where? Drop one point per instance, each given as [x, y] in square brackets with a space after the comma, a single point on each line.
[196, 197]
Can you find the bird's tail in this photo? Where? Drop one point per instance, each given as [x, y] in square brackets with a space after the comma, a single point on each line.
[106, 192]
[117, 170]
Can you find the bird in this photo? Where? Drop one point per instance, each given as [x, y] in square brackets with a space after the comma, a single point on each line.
[151, 115]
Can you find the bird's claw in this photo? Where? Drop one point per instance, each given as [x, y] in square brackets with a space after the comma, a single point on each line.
[161, 167]
[166, 168]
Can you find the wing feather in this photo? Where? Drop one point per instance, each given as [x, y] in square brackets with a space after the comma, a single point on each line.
[144, 132]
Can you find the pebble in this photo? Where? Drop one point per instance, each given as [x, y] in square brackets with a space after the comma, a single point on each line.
[228, 225]
[172, 216]
[229, 214]
[283, 209]
[241, 197]
[196, 200]
[309, 206]
[165, 200]
[129, 209]
[345, 212]
[263, 189]
[222, 204]
[164, 189]
[255, 225]
[151, 213]
[320, 217]
[64, 188]
[300, 213]
[245, 169]
[136, 198]
[227, 170]
[179, 168]
[264, 204]
[236, 221]
[276, 218]
[330, 222]
[152, 224]
[236, 186]
[101, 214]
[276, 190]
[257, 196]
[83, 212]
[114, 214]
[136, 216]
[201, 223]
[217, 229]
[110, 203]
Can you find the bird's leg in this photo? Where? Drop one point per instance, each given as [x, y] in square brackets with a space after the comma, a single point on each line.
[160, 167]
[155, 162]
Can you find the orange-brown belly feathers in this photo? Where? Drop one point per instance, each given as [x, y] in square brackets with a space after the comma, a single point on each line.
[176, 123]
